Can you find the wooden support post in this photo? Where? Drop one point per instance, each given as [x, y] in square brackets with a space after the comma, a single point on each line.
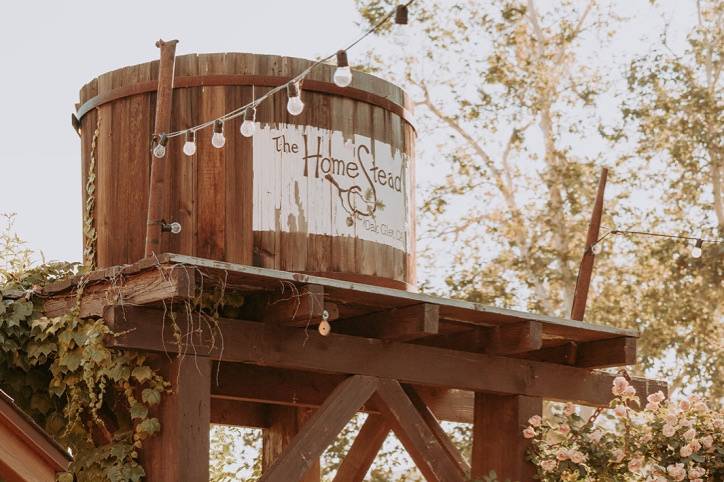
[498, 442]
[159, 185]
[580, 295]
[180, 452]
[364, 449]
[321, 429]
[400, 324]
[418, 438]
[284, 423]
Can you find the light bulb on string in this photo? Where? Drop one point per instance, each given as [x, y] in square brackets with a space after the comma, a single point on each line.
[247, 127]
[597, 248]
[217, 139]
[295, 106]
[190, 143]
[696, 251]
[159, 150]
[343, 75]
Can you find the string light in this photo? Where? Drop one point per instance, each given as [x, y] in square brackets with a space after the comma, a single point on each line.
[696, 249]
[248, 127]
[218, 140]
[295, 106]
[159, 150]
[343, 75]
[190, 144]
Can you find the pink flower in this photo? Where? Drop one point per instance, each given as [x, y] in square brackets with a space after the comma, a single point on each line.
[651, 406]
[576, 456]
[619, 385]
[685, 451]
[564, 429]
[676, 471]
[707, 441]
[657, 397]
[535, 420]
[684, 405]
[569, 409]
[700, 407]
[595, 436]
[562, 454]
[617, 455]
[689, 434]
[695, 445]
[529, 432]
[668, 430]
[548, 465]
[620, 410]
[696, 472]
[629, 391]
[636, 463]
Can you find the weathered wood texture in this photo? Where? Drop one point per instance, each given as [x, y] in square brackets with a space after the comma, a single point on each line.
[27, 453]
[284, 424]
[363, 451]
[498, 442]
[210, 193]
[180, 451]
[321, 429]
[292, 348]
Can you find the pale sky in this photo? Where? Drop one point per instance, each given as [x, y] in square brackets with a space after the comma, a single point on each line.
[52, 48]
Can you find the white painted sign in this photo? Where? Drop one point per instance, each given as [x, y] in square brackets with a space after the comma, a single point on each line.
[315, 181]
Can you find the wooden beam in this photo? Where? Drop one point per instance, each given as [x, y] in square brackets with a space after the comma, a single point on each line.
[321, 429]
[418, 439]
[437, 430]
[498, 442]
[613, 352]
[583, 282]
[284, 424]
[399, 324]
[268, 385]
[159, 186]
[300, 306]
[283, 347]
[166, 283]
[563, 354]
[181, 450]
[365, 447]
[239, 413]
[514, 338]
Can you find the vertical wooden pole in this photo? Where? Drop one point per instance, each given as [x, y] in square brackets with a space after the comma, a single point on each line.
[159, 187]
[498, 442]
[180, 452]
[285, 422]
[580, 295]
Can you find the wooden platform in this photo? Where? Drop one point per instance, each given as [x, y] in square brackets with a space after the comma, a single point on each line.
[253, 357]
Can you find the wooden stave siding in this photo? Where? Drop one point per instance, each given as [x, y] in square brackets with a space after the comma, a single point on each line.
[121, 193]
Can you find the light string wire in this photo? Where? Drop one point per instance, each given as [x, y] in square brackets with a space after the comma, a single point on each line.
[239, 111]
[658, 235]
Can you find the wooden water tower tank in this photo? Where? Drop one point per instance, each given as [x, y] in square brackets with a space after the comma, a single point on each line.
[328, 192]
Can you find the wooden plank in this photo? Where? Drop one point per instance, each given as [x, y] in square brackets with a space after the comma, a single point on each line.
[401, 324]
[162, 284]
[498, 442]
[298, 306]
[159, 187]
[239, 413]
[514, 338]
[416, 436]
[564, 354]
[613, 352]
[267, 385]
[181, 450]
[365, 447]
[438, 431]
[284, 347]
[321, 429]
[583, 282]
[284, 424]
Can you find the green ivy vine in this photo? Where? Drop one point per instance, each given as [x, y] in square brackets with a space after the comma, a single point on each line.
[93, 399]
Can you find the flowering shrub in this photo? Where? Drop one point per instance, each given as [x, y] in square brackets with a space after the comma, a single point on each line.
[663, 442]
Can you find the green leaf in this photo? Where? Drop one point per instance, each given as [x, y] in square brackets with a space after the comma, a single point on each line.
[66, 477]
[149, 426]
[142, 373]
[138, 410]
[72, 359]
[151, 396]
